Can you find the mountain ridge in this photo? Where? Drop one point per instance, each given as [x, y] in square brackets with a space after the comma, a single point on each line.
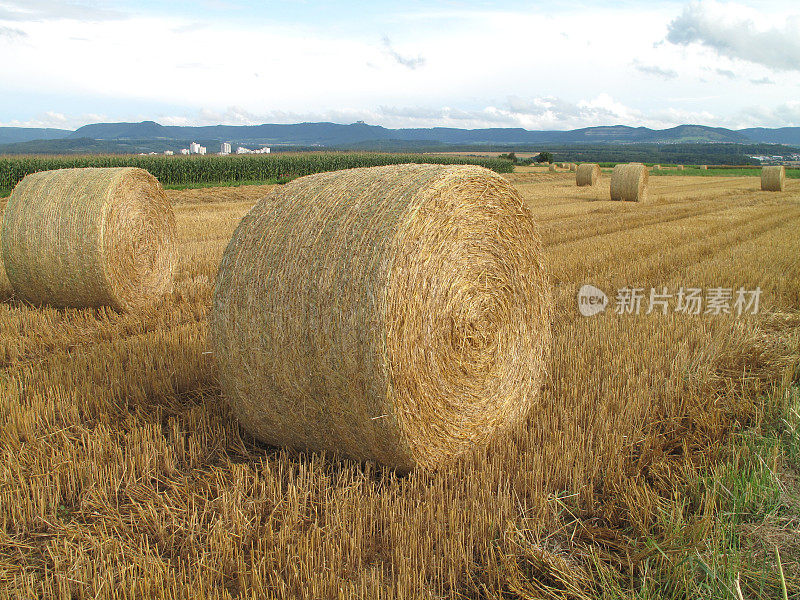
[335, 135]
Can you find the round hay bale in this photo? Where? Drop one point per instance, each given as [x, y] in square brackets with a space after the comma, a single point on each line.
[703, 167]
[572, 167]
[587, 174]
[89, 237]
[656, 167]
[679, 167]
[773, 179]
[629, 182]
[552, 168]
[398, 313]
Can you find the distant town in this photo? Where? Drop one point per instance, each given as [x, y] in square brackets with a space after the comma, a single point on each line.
[224, 150]
[776, 159]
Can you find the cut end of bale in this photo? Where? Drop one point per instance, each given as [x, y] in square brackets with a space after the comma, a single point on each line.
[89, 237]
[773, 179]
[587, 174]
[398, 314]
[629, 182]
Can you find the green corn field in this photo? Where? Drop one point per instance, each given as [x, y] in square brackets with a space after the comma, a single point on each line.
[179, 170]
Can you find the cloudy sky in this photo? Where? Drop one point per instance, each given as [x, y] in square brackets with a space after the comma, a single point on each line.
[538, 65]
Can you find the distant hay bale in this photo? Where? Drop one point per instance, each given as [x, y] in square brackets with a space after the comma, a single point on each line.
[703, 167]
[89, 237]
[587, 174]
[773, 179]
[572, 167]
[398, 313]
[656, 167]
[629, 182]
[552, 168]
[679, 167]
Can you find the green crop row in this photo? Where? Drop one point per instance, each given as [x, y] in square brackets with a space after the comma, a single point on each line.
[178, 170]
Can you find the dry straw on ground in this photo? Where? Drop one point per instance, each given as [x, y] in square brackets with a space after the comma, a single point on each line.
[89, 237]
[773, 179]
[395, 313]
[587, 174]
[629, 182]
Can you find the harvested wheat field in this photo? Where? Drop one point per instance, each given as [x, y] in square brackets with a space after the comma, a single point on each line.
[123, 473]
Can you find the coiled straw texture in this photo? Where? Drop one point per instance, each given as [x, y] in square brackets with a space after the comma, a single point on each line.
[587, 174]
[773, 179]
[629, 182]
[89, 237]
[399, 313]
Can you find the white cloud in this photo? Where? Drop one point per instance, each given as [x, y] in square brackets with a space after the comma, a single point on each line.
[411, 62]
[56, 120]
[655, 70]
[44, 10]
[786, 114]
[458, 68]
[737, 32]
[11, 33]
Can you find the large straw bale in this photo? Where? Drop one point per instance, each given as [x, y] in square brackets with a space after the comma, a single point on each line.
[587, 174]
[629, 182]
[773, 179]
[89, 237]
[398, 313]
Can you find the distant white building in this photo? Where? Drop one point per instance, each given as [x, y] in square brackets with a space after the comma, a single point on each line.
[184, 151]
[201, 150]
[168, 153]
[225, 148]
[243, 150]
[194, 148]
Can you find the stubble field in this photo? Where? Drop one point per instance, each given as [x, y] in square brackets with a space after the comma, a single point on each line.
[122, 474]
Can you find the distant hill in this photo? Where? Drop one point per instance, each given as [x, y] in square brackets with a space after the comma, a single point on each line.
[149, 136]
[87, 145]
[333, 134]
[12, 135]
[782, 135]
